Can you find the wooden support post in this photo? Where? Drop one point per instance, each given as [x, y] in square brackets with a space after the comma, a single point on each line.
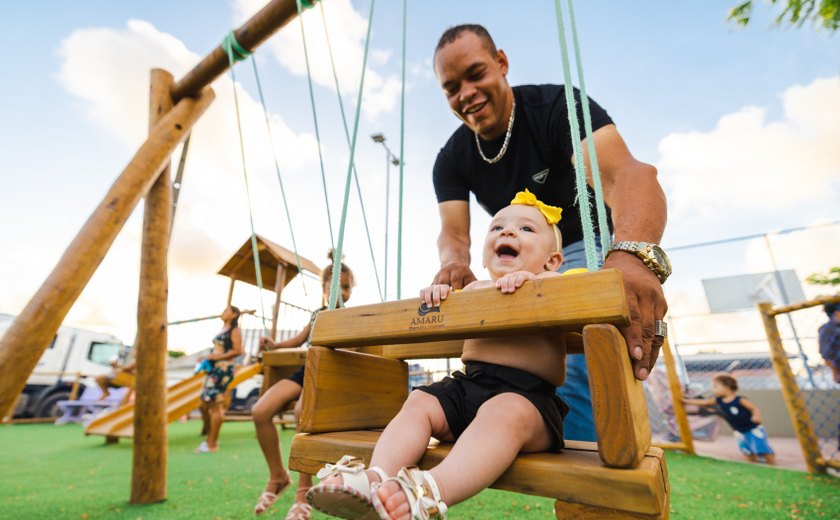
[618, 399]
[230, 290]
[31, 332]
[676, 398]
[350, 391]
[790, 391]
[279, 283]
[148, 476]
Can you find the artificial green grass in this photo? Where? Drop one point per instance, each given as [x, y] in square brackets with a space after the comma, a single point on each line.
[51, 471]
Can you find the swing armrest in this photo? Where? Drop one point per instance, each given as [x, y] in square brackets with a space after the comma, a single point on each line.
[351, 391]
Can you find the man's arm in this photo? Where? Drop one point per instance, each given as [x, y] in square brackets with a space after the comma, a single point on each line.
[454, 244]
[639, 212]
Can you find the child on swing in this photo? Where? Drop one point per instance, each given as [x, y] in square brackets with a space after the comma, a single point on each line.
[504, 404]
[279, 396]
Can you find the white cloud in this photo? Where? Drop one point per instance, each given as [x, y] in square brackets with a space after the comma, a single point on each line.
[347, 30]
[750, 162]
[108, 69]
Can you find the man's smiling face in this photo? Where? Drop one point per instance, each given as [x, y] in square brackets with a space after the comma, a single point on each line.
[474, 82]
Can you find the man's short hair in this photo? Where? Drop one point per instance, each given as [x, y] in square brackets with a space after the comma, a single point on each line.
[452, 34]
[727, 381]
[830, 308]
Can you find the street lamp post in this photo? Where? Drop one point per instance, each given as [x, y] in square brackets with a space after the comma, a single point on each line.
[390, 159]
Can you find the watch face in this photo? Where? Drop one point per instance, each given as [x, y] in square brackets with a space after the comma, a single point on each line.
[661, 259]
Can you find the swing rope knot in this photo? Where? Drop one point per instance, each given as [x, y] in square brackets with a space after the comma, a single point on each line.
[234, 50]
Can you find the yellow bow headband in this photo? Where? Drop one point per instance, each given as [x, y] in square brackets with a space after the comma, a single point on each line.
[552, 214]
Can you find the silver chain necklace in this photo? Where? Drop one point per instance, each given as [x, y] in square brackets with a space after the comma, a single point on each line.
[504, 145]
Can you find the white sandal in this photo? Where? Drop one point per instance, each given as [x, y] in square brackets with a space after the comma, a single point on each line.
[420, 489]
[351, 499]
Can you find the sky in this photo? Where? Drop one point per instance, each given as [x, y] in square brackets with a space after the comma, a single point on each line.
[741, 123]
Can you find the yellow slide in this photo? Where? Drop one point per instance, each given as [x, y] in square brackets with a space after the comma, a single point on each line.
[181, 399]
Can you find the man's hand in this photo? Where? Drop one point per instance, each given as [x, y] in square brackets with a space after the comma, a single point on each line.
[647, 303]
[455, 275]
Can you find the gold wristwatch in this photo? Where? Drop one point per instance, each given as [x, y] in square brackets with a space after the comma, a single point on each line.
[652, 255]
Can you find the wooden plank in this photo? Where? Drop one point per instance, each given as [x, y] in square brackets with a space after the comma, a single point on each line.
[450, 348]
[349, 390]
[31, 332]
[821, 300]
[566, 510]
[565, 303]
[792, 394]
[280, 364]
[285, 357]
[618, 400]
[676, 399]
[148, 469]
[575, 475]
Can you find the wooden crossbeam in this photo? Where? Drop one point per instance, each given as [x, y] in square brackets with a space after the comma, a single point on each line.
[563, 303]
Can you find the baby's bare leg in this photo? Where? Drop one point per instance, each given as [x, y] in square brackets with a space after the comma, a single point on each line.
[407, 436]
[504, 426]
[404, 440]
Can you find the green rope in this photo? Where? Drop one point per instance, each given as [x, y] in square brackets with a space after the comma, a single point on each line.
[402, 156]
[315, 120]
[580, 168]
[254, 248]
[355, 173]
[234, 50]
[603, 226]
[277, 170]
[337, 256]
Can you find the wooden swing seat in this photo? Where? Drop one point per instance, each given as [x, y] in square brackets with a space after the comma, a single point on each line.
[356, 381]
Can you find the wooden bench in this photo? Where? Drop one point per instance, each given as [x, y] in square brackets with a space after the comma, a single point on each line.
[350, 393]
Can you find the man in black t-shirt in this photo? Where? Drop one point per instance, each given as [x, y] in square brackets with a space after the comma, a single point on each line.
[517, 138]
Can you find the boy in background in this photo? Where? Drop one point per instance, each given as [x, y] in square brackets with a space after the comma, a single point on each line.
[743, 417]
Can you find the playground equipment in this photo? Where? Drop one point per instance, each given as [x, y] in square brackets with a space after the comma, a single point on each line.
[671, 396]
[817, 452]
[181, 399]
[590, 304]
[348, 394]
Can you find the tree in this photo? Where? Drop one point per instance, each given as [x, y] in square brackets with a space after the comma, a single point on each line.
[796, 12]
[831, 278]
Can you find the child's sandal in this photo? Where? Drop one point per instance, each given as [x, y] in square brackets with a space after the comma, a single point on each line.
[352, 498]
[421, 491]
[299, 511]
[267, 498]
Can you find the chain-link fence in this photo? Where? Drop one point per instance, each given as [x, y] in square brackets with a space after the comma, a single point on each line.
[715, 328]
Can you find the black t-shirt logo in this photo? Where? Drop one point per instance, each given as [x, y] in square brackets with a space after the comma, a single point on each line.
[540, 177]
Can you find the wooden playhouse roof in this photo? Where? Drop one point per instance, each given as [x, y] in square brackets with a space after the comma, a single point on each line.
[241, 264]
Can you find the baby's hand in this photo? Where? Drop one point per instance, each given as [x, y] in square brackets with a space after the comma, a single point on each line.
[433, 295]
[512, 281]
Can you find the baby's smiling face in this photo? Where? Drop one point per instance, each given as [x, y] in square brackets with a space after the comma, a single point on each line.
[520, 239]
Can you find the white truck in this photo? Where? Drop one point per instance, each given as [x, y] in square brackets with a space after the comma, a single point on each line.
[70, 352]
